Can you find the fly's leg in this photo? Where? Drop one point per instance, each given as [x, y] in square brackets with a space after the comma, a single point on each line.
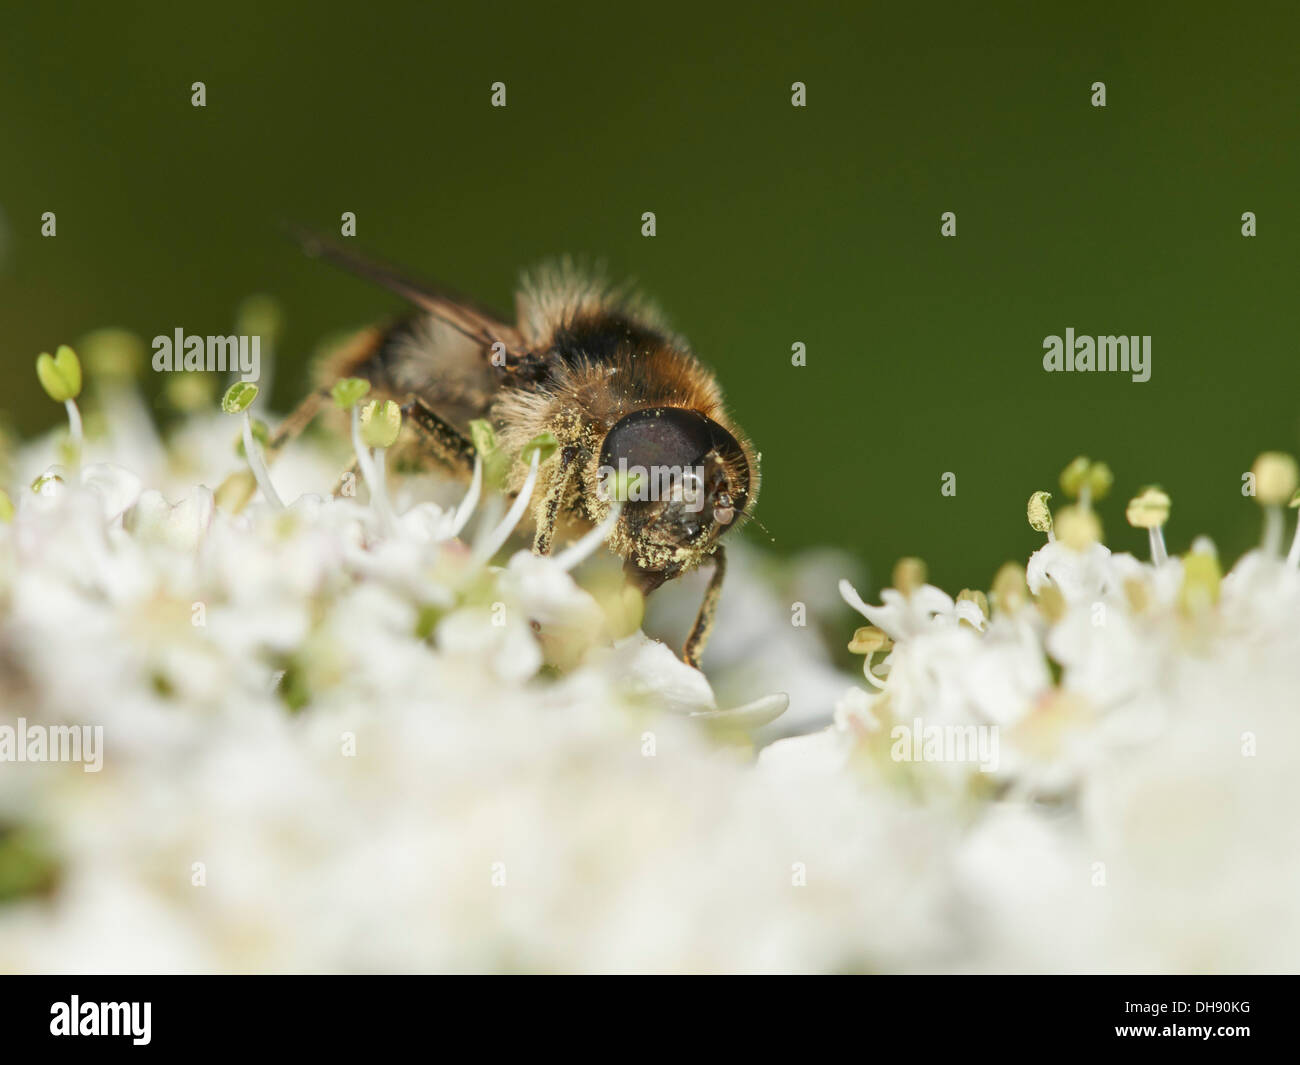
[699, 635]
[298, 420]
[549, 509]
[448, 444]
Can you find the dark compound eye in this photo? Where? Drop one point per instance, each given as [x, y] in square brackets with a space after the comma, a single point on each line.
[676, 439]
[662, 436]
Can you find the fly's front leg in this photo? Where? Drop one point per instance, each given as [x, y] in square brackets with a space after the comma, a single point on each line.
[448, 444]
[549, 510]
[699, 636]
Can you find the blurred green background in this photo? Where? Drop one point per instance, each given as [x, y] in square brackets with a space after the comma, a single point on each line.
[775, 224]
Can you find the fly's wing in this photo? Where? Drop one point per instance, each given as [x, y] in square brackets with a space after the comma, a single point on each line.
[465, 317]
[450, 352]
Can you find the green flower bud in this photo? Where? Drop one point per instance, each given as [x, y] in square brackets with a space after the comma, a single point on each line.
[380, 423]
[349, 392]
[60, 374]
[238, 397]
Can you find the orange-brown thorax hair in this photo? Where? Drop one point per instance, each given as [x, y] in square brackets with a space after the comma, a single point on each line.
[607, 356]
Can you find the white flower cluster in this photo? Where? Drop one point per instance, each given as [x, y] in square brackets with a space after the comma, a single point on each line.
[1139, 811]
[336, 737]
[332, 746]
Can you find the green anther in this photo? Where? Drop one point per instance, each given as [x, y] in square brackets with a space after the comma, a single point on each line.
[868, 640]
[60, 374]
[1074, 476]
[380, 423]
[349, 392]
[909, 574]
[1040, 516]
[1149, 509]
[113, 353]
[260, 316]
[238, 397]
[1275, 477]
[1078, 527]
[1099, 480]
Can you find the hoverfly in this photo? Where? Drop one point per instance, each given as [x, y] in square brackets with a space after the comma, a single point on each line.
[597, 367]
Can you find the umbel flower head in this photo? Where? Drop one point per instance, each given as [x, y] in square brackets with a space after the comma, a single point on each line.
[354, 731]
[1103, 730]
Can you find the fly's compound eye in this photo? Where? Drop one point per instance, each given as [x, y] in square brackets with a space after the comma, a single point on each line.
[679, 447]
